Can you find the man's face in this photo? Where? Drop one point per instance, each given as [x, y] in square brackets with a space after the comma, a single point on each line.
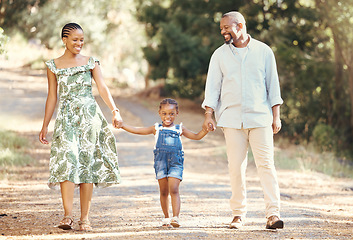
[229, 29]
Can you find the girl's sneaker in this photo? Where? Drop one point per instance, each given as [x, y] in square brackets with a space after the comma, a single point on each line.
[166, 222]
[175, 222]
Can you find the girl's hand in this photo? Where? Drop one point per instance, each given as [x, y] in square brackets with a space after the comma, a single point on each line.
[209, 125]
[42, 135]
[117, 120]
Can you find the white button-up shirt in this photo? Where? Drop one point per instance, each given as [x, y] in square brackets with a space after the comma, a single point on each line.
[243, 88]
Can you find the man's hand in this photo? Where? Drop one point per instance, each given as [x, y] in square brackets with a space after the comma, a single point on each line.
[276, 125]
[209, 125]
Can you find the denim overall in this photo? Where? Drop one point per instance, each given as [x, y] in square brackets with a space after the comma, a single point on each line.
[168, 153]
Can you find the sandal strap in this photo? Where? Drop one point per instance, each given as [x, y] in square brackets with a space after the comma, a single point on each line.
[68, 217]
[84, 222]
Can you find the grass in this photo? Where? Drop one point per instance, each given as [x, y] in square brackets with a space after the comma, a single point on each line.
[12, 150]
[306, 158]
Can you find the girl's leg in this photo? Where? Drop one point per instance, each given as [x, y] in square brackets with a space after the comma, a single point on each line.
[86, 190]
[164, 193]
[173, 184]
[67, 194]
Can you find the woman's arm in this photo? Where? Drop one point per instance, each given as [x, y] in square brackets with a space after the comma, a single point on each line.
[194, 136]
[49, 105]
[106, 96]
[139, 130]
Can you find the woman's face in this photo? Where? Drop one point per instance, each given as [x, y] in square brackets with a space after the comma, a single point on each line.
[74, 41]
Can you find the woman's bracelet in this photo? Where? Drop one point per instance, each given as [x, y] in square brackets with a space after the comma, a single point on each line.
[208, 112]
[115, 109]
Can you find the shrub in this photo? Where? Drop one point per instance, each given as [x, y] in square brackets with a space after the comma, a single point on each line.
[324, 137]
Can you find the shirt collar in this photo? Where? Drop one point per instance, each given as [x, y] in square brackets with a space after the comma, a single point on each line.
[250, 43]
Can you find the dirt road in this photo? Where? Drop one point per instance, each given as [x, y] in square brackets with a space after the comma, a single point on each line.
[314, 206]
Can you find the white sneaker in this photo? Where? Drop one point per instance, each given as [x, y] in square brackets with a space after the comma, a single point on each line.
[166, 222]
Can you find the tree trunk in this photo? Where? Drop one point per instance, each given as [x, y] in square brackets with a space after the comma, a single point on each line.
[350, 69]
[338, 100]
[147, 76]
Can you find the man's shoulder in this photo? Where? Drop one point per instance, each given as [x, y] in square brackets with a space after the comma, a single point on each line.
[221, 49]
[259, 44]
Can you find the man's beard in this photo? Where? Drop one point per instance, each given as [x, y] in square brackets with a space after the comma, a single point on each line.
[230, 41]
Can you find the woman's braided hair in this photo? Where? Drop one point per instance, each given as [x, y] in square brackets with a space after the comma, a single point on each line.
[169, 101]
[68, 28]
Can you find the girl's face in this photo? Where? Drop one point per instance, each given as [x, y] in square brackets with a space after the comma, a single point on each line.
[168, 114]
[74, 42]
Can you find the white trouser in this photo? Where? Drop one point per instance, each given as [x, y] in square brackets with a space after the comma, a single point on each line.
[261, 142]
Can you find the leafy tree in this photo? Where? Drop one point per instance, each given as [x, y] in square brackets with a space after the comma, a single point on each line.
[338, 17]
[3, 40]
[12, 11]
[111, 31]
[183, 34]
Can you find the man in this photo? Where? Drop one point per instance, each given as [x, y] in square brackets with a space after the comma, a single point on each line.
[242, 88]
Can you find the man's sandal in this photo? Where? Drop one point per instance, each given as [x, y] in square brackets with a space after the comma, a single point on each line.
[84, 225]
[64, 223]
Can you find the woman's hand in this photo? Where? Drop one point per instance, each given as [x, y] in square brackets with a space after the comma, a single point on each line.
[117, 120]
[42, 135]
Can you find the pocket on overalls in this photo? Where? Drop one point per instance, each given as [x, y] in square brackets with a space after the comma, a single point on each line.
[170, 139]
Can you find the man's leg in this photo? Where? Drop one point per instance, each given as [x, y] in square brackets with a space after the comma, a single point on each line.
[261, 142]
[237, 148]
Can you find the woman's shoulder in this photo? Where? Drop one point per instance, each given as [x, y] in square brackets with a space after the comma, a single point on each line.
[92, 62]
[51, 65]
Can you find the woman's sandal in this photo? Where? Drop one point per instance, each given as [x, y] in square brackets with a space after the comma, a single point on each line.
[175, 222]
[84, 225]
[64, 225]
[166, 223]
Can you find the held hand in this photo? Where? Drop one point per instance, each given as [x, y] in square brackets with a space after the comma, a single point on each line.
[117, 120]
[42, 136]
[276, 125]
[209, 125]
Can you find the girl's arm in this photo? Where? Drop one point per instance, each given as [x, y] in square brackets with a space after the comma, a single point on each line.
[139, 130]
[49, 105]
[106, 96]
[194, 136]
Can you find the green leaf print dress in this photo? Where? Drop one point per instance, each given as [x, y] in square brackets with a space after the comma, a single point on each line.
[83, 149]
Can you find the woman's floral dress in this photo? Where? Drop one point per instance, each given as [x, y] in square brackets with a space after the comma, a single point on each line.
[83, 149]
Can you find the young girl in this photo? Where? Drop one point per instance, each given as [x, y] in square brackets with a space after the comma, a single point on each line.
[83, 150]
[168, 156]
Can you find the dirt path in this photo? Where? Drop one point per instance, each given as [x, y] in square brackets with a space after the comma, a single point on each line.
[314, 206]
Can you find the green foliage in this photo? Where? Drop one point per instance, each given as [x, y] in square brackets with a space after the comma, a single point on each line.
[182, 36]
[11, 12]
[12, 149]
[324, 137]
[112, 33]
[3, 40]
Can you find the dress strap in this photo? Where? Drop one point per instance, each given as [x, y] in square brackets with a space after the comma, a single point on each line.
[92, 62]
[51, 65]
